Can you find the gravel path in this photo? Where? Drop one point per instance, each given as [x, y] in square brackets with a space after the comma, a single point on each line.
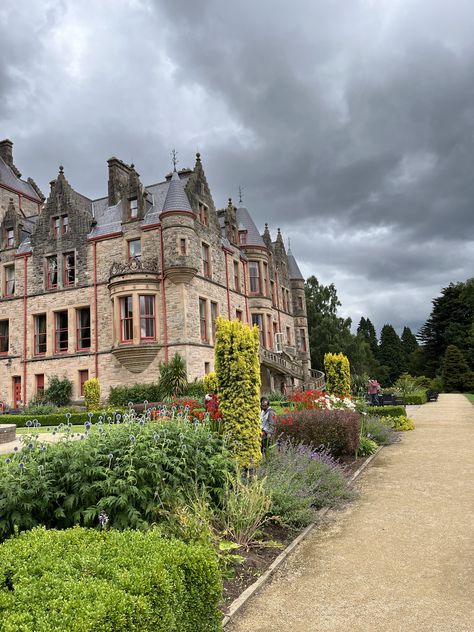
[401, 557]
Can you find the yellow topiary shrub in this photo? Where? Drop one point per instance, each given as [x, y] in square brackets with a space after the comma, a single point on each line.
[210, 382]
[402, 423]
[238, 378]
[338, 374]
[92, 393]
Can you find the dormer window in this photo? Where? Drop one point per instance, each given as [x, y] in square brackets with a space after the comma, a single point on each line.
[10, 238]
[203, 214]
[242, 237]
[60, 225]
[133, 208]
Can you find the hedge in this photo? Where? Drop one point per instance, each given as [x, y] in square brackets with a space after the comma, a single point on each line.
[416, 398]
[387, 411]
[85, 580]
[336, 429]
[137, 394]
[54, 419]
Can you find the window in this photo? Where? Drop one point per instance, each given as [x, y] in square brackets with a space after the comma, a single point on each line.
[242, 237]
[182, 246]
[203, 214]
[214, 314]
[4, 336]
[83, 328]
[269, 332]
[61, 332]
[254, 273]
[9, 289]
[265, 278]
[39, 387]
[134, 249]
[10, 238]
[60, 225]
[40, 334]
[133, 208]
[238, 314]
[302, 340]
[147, 317]
[207, 368]
[257, 319]
[203, 319]
[283, 298]
[126, 319]
[272, 290]
[288, 336]
[83, 377]
[206, 268]
[236, 276]
[69, 269]
[288, 301]
[52, 272]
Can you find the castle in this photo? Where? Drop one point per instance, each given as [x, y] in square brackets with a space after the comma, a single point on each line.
[114, 286]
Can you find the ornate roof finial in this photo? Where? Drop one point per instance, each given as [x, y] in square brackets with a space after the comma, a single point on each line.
[198, 157]
[230, 205]
[61, 169]
[174, 158]
[241, 191]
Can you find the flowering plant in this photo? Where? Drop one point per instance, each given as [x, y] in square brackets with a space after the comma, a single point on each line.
[311, 400]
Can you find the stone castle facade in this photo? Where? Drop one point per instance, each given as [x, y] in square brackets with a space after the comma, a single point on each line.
[114, 286]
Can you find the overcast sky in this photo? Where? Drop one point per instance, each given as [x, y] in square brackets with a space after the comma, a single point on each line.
[349, 123]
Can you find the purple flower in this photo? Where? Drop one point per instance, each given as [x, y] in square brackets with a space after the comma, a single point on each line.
[103, 519]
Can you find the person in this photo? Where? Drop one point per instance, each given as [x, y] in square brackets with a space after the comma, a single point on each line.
[373, 391]
[268, 422]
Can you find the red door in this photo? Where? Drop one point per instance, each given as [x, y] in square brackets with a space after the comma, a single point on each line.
[16, 391]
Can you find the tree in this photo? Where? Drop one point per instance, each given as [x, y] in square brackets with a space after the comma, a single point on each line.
[173, 377]
[391, 353]
[366, 330]
[456, 373]
[451, 322]
[409, 346]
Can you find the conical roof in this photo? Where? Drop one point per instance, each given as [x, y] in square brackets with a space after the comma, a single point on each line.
[293, 269]
[245, 222]
[176, 198]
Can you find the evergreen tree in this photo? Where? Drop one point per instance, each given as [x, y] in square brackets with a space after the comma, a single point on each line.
[409, 346]
[366, 330]
[456, 373]
[451, 323]
[390, 352]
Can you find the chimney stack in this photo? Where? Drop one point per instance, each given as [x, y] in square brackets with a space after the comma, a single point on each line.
[6, 151]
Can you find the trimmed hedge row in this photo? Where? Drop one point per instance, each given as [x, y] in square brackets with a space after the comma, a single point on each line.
[416, 398]
[54, 419]
[336, 429]
[387, 411]
[85, 580]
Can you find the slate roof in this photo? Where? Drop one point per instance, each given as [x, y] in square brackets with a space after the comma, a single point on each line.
[9, 179]
[176, 198]
[245, 222]
[293, 269]
[108, 218]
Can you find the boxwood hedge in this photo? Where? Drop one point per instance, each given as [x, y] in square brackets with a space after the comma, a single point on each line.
[416, 398]
[55, 419]
[86, 580]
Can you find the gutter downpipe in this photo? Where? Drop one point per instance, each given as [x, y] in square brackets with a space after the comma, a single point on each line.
[245, 264]
[227, 284]
[163, 297]
[96, 341]
[278, 298]
[25, 276]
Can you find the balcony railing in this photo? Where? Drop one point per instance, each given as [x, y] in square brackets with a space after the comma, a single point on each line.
[281, 362]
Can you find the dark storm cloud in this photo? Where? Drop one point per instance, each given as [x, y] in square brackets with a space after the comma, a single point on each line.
[349, 124]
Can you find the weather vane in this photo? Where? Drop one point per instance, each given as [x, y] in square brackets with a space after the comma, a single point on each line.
[241, 191]
[174, 157]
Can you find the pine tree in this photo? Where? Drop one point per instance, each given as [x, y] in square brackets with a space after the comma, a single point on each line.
[456, 374]
[390, 352]
[409, 346]
[366, 330]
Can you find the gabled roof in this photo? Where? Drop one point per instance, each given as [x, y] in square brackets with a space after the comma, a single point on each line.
[245, 222]
[9, 179]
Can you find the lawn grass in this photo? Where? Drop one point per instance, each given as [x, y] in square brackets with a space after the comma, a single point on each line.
[43, 429]
[470, 397]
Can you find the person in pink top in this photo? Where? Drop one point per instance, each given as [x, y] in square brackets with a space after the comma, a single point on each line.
[373, 391]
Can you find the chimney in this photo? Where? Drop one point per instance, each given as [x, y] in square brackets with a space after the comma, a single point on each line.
[119, 174]
[6, 151]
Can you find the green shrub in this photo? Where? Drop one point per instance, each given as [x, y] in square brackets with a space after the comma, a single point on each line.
[137, 394]
[40, 407]
[456, 374]
[173, 377]
[126, 470]
[194, 390]
[92, 393]
[210, 382]
[338, 374]
[55, 419]
[337, 429]
[366, 446]
[59, 391]
[416, 398]
[380, 429]
[390, 411]
[400, 424]
[87, 581]
[301, 480]
[238, 376]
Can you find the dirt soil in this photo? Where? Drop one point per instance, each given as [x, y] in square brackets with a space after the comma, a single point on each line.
[398, 559]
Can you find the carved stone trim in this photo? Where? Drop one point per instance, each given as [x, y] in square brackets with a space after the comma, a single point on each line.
[135, 265]
[136, 358]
